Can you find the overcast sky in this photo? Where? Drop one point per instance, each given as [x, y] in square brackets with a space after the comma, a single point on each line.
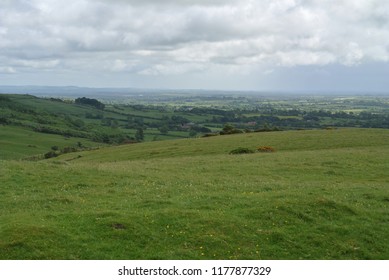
[318, 45]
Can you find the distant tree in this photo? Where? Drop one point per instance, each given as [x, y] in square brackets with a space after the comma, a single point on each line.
[106, 122]
[50, 154]
[130, 122]
[192, 133]
[179, 120]
[4, 120]
[139, 135]
[229, 129]
[164, 129]
[139, 121]
[114, 124]
[91, 102]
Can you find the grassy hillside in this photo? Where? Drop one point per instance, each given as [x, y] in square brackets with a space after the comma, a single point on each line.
[65, 118]
[322, 195]
[21, 143]
[221, 145]
[162, 117]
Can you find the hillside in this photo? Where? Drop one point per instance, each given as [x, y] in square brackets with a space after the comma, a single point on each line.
[323, 194]
[283, 141]
[31, 126]
[21, 143]
[94, 125]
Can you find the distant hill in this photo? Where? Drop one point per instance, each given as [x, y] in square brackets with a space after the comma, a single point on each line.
[105, 92]
[70, 91]
[75, 91]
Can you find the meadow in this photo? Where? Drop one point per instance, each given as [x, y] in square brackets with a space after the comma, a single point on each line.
[323, 194]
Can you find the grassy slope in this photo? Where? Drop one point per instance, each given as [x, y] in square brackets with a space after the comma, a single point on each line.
[282, 141]
[322, 195]
[18, 142]
[29, 112]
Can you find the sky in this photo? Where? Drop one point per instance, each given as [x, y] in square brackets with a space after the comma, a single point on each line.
[263, 45]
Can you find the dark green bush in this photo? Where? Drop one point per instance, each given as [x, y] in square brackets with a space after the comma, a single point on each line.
[229, 129]
[50, 154]
[210, 134]
[241, 150]
[67, 150]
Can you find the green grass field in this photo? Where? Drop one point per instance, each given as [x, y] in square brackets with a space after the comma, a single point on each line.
[20, 143]
[324, 194]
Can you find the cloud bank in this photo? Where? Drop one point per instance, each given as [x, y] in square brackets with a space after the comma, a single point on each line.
[146, 40]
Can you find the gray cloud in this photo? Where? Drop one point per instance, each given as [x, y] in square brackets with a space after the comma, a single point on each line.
[170, 38]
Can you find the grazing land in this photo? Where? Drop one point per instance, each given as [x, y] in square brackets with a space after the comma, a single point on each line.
[280, 178]
[322, 194]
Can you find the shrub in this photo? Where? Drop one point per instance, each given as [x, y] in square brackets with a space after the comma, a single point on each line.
[266, 149]
[210, 134]
[241, 150]
[67, 150]
[50, 154]
[229, 129]
[4, 120]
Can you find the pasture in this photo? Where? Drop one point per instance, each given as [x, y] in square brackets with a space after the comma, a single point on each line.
[323, 194]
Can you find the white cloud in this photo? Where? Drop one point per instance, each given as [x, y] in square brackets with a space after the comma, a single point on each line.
[353, 54]
[176, 37]
[7, 70]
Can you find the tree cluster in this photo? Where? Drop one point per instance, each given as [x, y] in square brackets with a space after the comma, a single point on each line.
[90, 102]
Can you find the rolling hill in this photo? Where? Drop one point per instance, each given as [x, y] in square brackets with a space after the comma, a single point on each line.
[323, 194]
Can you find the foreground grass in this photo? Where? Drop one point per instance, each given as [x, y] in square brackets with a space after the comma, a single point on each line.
[322, 195]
